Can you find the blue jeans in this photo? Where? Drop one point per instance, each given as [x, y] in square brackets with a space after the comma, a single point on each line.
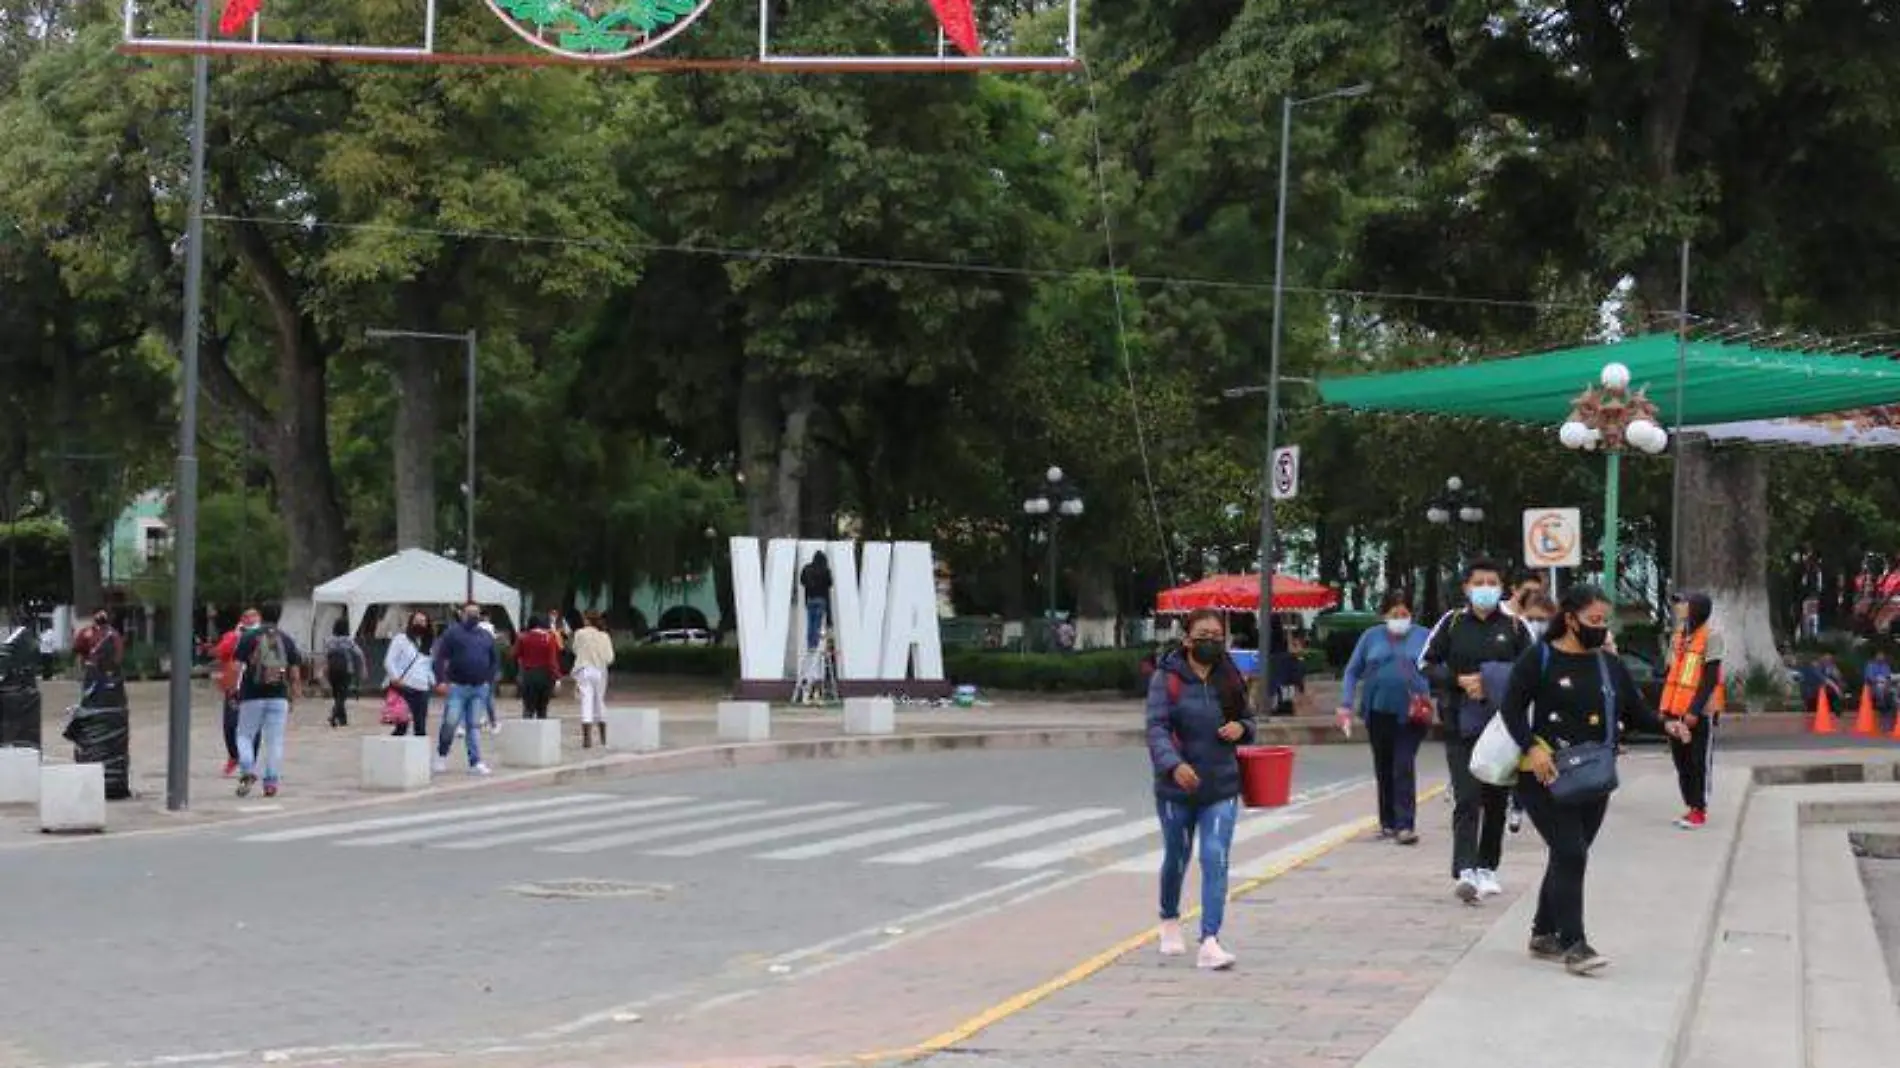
[488, 702]
[267, 715]
[815, 611]
[464, 709]
[1180, 823]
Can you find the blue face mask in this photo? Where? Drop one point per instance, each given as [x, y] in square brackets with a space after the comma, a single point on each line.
[1486, 598]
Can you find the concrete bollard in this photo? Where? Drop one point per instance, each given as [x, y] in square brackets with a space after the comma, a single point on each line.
[531, 743]
[19, 776]
[72, 798]
[633, 730]
[745, 721]
[396, 764]
[870, 715]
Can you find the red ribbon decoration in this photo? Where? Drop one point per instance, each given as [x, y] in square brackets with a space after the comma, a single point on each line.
[236, 14]
[959, 25]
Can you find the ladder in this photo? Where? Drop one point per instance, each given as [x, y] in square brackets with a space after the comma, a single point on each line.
[817, 674]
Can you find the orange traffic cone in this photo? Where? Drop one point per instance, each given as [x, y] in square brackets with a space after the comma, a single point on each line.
[1866, 724]
[1896, 726]
[1824, 716]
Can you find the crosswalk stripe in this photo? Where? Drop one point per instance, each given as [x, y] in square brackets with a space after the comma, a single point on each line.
[423, 834]
[329, 830]
[831, 846]
[1257, 868]
[1077, 847]
[789, 830]
[615, 841]
[1249, 829]
[953, 846]
[643, 819]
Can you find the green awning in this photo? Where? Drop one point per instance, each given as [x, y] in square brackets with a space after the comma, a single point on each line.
[1727, 383]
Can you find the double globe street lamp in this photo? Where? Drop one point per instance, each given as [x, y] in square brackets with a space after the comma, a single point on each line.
[1058, 500]
[1611, 418]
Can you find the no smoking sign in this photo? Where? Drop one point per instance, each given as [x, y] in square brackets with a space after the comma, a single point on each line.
[1553, 537]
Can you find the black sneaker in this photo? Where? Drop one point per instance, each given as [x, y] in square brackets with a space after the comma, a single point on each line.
[1547, 947]
[245, 782]
[1580, 959]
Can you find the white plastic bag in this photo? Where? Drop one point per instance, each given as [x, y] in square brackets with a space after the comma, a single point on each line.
[1494, 759]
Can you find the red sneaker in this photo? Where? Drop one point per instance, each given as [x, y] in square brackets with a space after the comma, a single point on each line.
[230, 768]
[1694, 820]
[270, 789]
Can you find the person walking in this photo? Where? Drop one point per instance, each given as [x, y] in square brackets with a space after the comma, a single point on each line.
[1535, 610]
[1580, 694]
[1530, 584]
[229, 677]
[1468, 659]
[272, 673]
[1693, 696]
[464, 658]
[488, 693]
[816, 579]
[411, 673]
[537, 667]
[1197, 716]
[593, 655]
[1385, 689]
[344, 666]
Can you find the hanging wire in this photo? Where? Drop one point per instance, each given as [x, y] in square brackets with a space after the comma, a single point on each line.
[1121, 330]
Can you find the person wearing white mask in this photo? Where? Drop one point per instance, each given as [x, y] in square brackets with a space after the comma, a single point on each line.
[1386, 691]
[1535, 610]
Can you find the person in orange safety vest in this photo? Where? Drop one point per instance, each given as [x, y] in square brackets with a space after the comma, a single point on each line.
[1693, 693]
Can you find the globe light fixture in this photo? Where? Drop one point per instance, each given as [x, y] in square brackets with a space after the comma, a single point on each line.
[1616, 377]
[1614, 419]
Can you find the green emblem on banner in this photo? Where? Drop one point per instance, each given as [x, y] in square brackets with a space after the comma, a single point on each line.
[598, 29]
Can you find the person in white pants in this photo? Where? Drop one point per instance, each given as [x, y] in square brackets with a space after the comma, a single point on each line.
[593, 655]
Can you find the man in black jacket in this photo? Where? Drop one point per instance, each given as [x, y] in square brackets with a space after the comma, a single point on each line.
[1460, 647]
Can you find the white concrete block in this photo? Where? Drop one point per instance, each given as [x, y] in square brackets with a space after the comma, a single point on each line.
[870, 715]
[19, 776]
[745, 721]
[395, 763]
[633, 730]
[531, 743]
[73, 797]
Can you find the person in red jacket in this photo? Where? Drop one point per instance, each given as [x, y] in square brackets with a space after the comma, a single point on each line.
[538, 667]
[229, 676]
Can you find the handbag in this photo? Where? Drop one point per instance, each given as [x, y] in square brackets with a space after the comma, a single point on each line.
[1587, 771]
[1420, 711]
[395, 705]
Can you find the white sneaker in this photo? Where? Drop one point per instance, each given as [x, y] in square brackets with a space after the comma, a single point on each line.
[1467, 889]
[1488, 885]
[439, 765]
[1172, 944]
[479, 770]
[1213, 958]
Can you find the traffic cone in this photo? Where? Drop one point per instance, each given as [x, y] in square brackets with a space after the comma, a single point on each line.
[1896, 726]
[1866, 724]
[1824, 716]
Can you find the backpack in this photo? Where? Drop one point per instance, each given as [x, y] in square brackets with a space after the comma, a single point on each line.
[269, 662]
[339, 660]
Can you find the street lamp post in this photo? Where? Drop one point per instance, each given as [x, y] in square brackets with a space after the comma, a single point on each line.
[1612, 418]
[1058, 499]
[468, 486]
[1455, 505]
[1287, 104]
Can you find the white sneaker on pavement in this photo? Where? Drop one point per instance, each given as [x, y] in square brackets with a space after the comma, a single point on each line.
[439, 765]
[1213, 958]
[479, 770]
[1172, 944]
[1488, 885]
[1467, 888]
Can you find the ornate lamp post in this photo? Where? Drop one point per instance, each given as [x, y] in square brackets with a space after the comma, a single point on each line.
[1611, 418]
[1455, 505]
[1059, 499]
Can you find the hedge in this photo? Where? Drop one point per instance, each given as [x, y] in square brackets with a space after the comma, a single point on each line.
[697, 661]
[1096, 670]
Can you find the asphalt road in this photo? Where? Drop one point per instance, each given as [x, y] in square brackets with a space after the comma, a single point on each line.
[418, 926]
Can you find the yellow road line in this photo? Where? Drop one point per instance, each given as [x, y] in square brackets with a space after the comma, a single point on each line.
[1003, 1010]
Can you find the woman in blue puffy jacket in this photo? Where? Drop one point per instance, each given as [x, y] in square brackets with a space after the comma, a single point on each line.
[1197, 716]
[1381, 682]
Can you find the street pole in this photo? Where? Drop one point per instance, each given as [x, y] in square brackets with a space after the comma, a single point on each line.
[1682, 388]
[1613, 474]
[185, 489]
[1055, 523]
[468, 490]
[1267, 532]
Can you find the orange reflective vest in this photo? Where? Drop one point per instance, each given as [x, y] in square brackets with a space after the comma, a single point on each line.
[1686, 665]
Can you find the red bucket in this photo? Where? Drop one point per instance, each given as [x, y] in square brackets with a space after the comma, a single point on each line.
[1266, 775]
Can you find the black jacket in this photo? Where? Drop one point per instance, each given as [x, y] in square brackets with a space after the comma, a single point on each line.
[1184, 716]
[1460, 644]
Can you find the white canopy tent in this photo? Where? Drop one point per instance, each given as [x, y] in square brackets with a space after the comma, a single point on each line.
[414, 577]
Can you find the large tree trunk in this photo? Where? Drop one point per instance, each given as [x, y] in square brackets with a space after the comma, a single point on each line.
[78, 505]
[774, 446]
[1725, 547]
[418, 378]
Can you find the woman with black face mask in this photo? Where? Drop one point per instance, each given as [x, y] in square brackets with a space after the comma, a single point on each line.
[1566, 697]
[411, 672]
[1197, 716]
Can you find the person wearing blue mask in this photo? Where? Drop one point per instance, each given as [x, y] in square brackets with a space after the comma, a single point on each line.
[1468, 660]
[1382, 687]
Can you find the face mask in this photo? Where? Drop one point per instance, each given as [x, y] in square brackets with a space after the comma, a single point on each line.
[1207, 651]
[1399, 628]
[1486, 598]
[1537, 627]
[102, 620]
[418, 629]
[1591, 637]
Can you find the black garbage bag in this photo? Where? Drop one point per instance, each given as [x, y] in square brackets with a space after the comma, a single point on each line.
[104, 736]
[19, 689]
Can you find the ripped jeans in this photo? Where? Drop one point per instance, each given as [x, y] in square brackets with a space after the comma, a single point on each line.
[1180, 823]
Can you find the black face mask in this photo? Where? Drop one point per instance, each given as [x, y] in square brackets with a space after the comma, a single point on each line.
[1207, 651]
[417, 630]
[1591, 638]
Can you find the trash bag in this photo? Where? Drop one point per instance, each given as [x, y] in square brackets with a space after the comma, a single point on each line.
[19, 690]
[104, 736]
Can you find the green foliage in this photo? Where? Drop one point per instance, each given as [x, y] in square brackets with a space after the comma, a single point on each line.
[33, 552]
[697, 661]
[1094, 671]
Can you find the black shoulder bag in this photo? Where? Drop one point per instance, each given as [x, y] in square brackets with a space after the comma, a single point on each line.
[1586, 771]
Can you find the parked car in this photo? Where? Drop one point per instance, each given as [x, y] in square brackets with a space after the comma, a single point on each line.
[681, 636]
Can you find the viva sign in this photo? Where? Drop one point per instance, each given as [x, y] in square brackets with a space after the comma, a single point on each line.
[883, 606]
